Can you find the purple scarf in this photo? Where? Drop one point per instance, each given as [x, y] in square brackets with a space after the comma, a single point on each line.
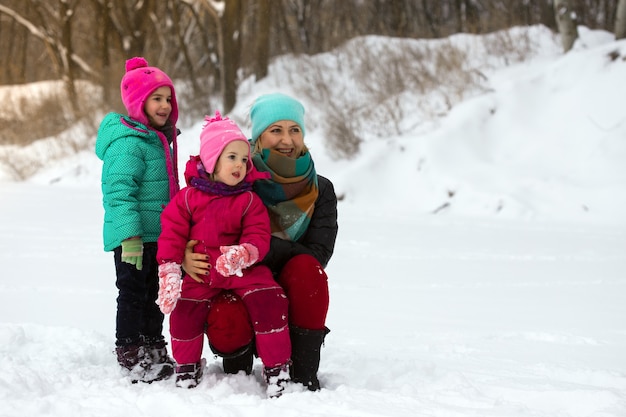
[204, 183]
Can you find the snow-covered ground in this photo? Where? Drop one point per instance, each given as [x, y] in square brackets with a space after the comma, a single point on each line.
[510, 301]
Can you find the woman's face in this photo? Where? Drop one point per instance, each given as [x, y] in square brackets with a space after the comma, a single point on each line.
[284, 136]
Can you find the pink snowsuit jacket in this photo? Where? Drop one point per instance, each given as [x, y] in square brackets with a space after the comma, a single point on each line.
[214, 221]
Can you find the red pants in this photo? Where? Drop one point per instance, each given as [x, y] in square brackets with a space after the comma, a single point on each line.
[258, 297]
[306, 285]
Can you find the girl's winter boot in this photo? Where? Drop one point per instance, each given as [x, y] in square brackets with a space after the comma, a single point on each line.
[161, 365]
[277, 379]
[143, 363]
[190, 374]
[132, 359]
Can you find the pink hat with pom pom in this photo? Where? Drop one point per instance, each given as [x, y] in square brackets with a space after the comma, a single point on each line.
[217, 132]
[138, 83]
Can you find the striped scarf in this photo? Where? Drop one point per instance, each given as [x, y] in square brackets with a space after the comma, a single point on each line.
[290, 194]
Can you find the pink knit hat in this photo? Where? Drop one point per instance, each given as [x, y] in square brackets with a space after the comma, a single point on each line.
[218, 132]
[138, 83]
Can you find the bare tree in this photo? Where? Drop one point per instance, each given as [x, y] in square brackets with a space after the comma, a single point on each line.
[228, 22]
[180, 35]
[263, 13]
[432, 18]
[131, 22]
[64, 16]
[53, 26]
[104, 16]
[566, 20]
[231, 26]
[620, 20]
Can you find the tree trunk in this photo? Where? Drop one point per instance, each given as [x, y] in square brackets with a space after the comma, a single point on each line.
[620, 20]
[398, 20]
[546, 14]
[232, 48]
[65, 52]
[133, 22]
[184, 50]
[472, 18]
[105, 19]
[566, 22]
[262, 39]
[430, 19]
[458, 7]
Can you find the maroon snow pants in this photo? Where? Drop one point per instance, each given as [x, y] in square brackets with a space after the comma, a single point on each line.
[258, 297]
[306, 285]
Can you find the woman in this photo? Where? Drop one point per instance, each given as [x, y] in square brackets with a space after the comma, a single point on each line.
[303, 213]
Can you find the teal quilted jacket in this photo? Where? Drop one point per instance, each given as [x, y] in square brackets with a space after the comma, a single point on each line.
[138, 178]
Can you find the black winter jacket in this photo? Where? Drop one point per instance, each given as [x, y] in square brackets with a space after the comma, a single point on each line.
[319, 239]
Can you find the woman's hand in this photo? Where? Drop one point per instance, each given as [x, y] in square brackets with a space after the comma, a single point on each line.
[195, 264]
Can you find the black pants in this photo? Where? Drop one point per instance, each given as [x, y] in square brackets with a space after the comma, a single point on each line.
[138, 316]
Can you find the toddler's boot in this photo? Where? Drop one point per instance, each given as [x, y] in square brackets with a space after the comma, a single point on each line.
[277, 379]
[190, 374]
[161, 365]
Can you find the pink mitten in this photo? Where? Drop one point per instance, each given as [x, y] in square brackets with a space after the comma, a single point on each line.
[170, 284]
[235, 258]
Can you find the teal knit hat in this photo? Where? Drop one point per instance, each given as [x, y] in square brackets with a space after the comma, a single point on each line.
[271, 108]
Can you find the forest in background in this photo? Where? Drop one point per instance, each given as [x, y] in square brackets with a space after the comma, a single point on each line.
[214, 45]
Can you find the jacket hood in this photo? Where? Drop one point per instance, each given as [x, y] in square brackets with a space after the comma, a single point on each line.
[191, 168]
[115, 126]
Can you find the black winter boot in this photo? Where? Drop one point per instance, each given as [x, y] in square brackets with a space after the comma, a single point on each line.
[240, 360]
[306, 345]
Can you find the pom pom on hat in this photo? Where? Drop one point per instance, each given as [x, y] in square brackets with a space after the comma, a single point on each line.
[136, 62]
[271, 108]
[217, 132]
[138, 83]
